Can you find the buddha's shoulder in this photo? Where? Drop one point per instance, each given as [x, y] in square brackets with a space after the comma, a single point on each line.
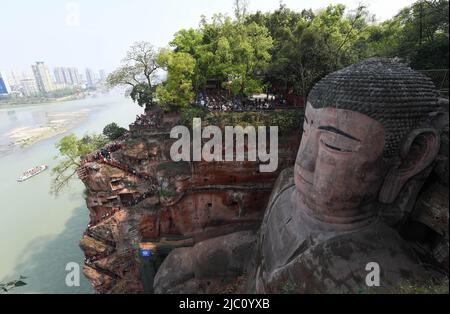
[284, 182]
[279, 206]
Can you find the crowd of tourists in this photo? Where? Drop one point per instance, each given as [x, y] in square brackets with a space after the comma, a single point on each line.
[149, 119]
[219, 100]
[90, 260]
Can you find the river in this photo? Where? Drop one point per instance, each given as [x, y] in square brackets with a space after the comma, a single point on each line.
[39, 233]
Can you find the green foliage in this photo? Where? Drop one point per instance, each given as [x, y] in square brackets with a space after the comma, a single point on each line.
[138, 72]
[71, 151]
[231, 51]
[142, 94]
[112, 131]
[426, 288]
[62, 92]
[177, 89]
[307, 45]
[191, 112]
[167, 193]
[418, 34]
[284, 49]
[289, 288]
[432, 286]
[288, 121]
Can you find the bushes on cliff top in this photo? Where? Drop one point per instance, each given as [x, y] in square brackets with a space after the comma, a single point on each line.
[112, 131]
[288, 121]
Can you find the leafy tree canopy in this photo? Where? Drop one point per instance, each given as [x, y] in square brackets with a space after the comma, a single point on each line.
[71, 151]
[139, 71]
[177, 89]
[112, 131]
[286, 50]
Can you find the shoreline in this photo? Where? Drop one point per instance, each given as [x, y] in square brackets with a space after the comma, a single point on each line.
[58, 123]
[42, 101]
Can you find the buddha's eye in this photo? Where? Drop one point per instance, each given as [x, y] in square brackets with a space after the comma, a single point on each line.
[335, 148]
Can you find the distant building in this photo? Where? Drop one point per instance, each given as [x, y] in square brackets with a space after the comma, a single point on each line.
[90, 78]
[42, 77]
[67, 77]
[14, 78]
[4, 86]
[102, 75]
[23, 83]
[75, 76]
[59, 76]
[28, 86]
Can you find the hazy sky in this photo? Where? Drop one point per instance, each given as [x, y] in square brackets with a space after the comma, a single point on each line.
[98, 37]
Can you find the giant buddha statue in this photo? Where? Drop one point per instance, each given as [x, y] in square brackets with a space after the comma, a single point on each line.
[363, 139]
[331, 224]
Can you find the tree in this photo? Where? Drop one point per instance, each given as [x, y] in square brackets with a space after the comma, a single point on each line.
[190, 41]
[418, 34]
[177, 90]
[71, 151]
[138, 71]
[112, 131]
[308, 45]
[248, 45]
[240, 10]
[233, 52]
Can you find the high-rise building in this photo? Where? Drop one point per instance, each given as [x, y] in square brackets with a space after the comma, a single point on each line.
[90, 78]
[42, 77]
[75, 76]
[66, 76]
[102, 75]
[14, 78]
[59, 76]
[4, 86]
[28, 86]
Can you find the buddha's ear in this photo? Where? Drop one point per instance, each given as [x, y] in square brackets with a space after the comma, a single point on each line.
[418, 151]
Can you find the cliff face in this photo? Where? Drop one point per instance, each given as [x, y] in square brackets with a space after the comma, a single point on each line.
[136, 194]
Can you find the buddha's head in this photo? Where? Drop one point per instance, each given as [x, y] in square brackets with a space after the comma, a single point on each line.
[362, 137]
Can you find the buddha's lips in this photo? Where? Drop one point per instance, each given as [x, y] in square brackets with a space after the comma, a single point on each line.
[303, 179]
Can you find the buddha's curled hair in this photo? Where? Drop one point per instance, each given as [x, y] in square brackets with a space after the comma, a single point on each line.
[384, 89]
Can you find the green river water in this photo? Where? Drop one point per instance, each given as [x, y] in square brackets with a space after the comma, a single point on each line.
[39, 233]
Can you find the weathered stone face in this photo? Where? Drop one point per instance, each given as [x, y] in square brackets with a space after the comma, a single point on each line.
[339, 164]
[383, 89]
[359, 148]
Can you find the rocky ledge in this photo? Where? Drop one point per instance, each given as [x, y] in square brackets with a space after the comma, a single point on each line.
[136, 194]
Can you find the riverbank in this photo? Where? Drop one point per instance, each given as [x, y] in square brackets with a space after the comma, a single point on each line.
[25, 101]
[57, 123]
[40, 233]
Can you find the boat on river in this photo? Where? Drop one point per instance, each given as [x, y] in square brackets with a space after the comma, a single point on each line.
[32, 172]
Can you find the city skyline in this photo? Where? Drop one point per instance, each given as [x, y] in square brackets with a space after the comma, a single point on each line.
[43, 79]
[97, 34]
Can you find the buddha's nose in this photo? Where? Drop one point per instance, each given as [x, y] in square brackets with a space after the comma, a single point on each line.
[306, 158]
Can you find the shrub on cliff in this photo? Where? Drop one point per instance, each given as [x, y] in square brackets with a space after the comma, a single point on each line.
[138, 72]
[177, 89]
[288, 121]
[71, 151]
[112, 131]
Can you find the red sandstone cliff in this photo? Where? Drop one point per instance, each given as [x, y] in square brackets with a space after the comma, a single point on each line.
[140, 195]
